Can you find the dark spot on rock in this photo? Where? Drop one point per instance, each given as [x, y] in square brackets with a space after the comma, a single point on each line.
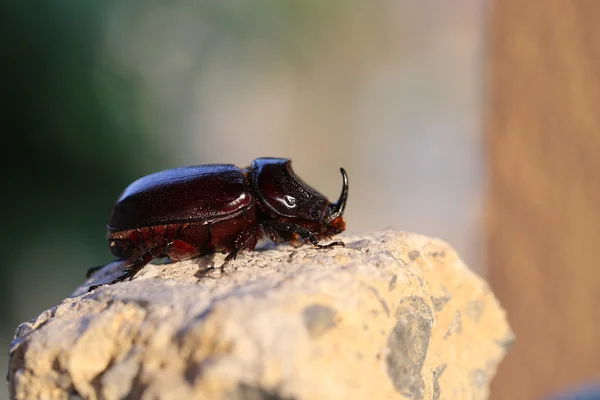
[474, 310]
[292, 254]
[138, 385]
[192, 371]
[366, 327]
[358, 245]
[367, 250]
[437, 372]
[392, 284]
[507, 341]
[144, 304]
[436, 388]
[74, 395]
[248, 392]
[438, 253]
[413, 255]
[378, 356]
[408, 344]
[479, 378]
[318, 319]
[455, 327]
[203, 314]
[440, 302]
[381, 300]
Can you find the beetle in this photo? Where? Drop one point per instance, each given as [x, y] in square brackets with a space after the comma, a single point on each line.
[192, 211]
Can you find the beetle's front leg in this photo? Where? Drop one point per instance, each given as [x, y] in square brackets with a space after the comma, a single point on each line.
[304, 233]
[332, 244]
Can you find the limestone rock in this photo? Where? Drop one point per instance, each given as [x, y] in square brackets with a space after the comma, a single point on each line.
[390, 316]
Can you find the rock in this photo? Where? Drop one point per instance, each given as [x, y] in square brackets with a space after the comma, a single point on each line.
[391, 315]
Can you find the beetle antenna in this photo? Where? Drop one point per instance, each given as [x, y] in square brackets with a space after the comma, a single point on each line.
[341, 203]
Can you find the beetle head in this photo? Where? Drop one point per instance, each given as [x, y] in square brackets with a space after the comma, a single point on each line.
[285, 196]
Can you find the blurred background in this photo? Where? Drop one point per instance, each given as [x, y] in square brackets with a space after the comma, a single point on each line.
[453, 119]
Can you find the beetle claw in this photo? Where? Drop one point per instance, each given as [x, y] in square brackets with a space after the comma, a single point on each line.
[231, 256]
[93, 287]
[332, 244]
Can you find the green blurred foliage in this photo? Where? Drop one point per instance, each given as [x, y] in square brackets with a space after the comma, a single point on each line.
[66, 158]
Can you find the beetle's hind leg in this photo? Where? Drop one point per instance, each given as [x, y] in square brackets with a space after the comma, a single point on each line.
[128, 273]
[133, 267]
[91, 271]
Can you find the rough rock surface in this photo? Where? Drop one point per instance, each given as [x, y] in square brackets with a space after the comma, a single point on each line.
[391, 316]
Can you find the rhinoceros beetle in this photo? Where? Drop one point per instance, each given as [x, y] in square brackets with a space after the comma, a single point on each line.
[187, 212]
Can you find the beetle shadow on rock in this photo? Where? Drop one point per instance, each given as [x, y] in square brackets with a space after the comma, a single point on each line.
[265, 245]
[206, 265]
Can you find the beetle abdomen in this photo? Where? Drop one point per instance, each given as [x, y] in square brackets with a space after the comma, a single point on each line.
[204, 193]
[182, 241]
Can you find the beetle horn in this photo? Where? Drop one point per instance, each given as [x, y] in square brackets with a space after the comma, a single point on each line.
[340, 205]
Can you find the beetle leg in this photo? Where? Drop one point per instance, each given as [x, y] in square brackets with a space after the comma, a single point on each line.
[128, 273]
[231, 256]
[133, 268]
[304, 233]
[280, 236]
[332, 244]
[245, 240]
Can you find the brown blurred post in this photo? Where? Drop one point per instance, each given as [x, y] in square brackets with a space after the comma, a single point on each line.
[544, 151]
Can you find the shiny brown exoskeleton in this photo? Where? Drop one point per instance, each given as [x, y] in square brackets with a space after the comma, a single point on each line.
[192, 211]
